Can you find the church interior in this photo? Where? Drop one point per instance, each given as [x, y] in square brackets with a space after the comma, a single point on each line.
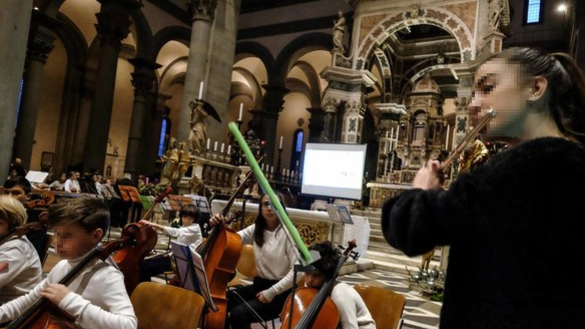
[146, 89]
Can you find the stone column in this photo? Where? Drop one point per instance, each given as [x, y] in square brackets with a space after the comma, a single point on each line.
[203, 13]
[14, 26]
[39, 46]
[315, 124]
[329, 119]
[353, 118]
[144, 82]
[273, 101]
[112, 27]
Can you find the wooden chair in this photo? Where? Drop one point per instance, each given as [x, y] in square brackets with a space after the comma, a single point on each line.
[246, 266]
[385, 305]
[46, 248]
[159, 305]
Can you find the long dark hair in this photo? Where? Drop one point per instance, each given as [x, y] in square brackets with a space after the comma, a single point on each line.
[566, 86]
[261, 221]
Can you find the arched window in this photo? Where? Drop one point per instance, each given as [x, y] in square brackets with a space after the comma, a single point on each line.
[165, 130]
[297, 151]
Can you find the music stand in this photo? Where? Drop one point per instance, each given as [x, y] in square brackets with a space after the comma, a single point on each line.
[131, 194]
[176, 202]
[191, 272]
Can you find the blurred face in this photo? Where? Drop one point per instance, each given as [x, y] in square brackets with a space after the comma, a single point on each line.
[187, 220]
[4, 226]
[72, 241]
[268, 212]
[63, 177]
[16, 192]
[315, 279]
[503, 86]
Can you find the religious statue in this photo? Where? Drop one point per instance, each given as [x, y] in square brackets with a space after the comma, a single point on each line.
[499, 14]
[338, 32]
[175, 163]
[198, 133]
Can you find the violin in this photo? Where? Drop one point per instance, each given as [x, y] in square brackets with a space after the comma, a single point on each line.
[44, 314]
[144, 238]
[308, 308]
[24, 229]
[45, 199]
[220, 255]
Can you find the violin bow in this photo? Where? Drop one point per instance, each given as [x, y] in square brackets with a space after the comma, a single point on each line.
[306, 257]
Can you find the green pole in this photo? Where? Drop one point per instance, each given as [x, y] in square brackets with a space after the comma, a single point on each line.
[271, 195]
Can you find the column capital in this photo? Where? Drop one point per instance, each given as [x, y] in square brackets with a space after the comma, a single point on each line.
[202, 9]
[114, 22]
[143, 77]
[330, 104]
[40, 44]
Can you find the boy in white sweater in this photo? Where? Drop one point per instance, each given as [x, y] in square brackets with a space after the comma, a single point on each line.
[20, 266]
[97, 297]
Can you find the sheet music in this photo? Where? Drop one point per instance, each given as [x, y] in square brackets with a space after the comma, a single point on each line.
[191, 271]
[36, 176]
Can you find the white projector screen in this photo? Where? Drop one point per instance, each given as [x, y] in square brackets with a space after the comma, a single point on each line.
[334, 170]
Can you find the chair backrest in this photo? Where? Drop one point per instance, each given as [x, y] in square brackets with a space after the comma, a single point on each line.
[48, 243]
[385, 305]
[164, 306]
[246, 264]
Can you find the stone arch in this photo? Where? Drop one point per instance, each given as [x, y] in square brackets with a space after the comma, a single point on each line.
[298, 47]
[393, 22]
[247, 49]
[177, 33]
[143, 35]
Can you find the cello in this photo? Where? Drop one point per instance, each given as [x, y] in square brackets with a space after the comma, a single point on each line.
[28, 227]
[44, 314]
[220, 255]
[129, 259]
[309, 308]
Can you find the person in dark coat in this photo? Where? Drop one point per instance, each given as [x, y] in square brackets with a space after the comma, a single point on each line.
[514, 223]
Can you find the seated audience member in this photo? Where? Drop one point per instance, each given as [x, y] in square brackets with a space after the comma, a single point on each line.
[59, 184]
[72, 184]
[20, 266]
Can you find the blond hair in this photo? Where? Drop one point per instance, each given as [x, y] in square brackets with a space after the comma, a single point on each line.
[12, 211]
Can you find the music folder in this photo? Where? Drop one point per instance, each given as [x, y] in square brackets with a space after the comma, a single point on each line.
[191, 272]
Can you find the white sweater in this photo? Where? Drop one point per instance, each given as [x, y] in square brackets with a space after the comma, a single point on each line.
[97, 300]
[274, 260]
[22, 269]
[353, 313]
[190, 236]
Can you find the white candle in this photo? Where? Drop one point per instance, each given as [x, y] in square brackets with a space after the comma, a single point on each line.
[272, 169]
[208, 143]
[280, 145]
[222, 146]
[215, 146]
[200, 90]
[229, 149]
[447, 138]
[397, 133]
[241, 111]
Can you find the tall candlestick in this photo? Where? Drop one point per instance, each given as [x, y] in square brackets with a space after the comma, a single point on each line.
[447, 138]
[397, 133]
[208, 143]
[280, 145]
[222, 146]
[215, 146]
[200, 90]
[241, 111]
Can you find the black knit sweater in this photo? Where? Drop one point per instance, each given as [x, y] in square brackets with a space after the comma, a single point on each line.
[516, 228]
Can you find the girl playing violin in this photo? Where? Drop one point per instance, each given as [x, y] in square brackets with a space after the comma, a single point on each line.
[353, 313]
[20, 266]
[275, 256]
[188, 234]
[97, 298]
